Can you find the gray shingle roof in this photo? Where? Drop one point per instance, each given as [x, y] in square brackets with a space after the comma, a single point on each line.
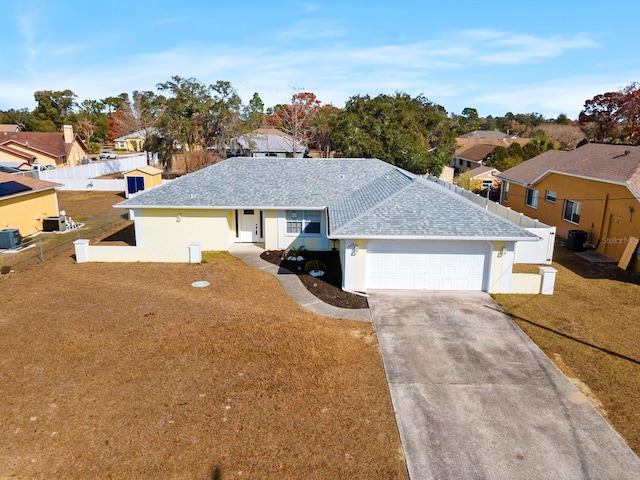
[425, 209]
[267, 142]
[364, 197]
[270, 182]
[487, 134]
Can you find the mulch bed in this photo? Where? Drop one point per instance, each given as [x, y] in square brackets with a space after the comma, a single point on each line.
[327, 287]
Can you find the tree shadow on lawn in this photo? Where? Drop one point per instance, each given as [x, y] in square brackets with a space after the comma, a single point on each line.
[328, 287]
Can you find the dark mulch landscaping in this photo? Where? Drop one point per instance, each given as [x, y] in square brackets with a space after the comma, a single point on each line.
[328, 287]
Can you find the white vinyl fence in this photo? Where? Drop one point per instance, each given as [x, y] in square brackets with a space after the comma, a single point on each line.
[83, 177]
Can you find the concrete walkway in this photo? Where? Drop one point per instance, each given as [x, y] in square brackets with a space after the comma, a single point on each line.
[475, 398]
[250, 254]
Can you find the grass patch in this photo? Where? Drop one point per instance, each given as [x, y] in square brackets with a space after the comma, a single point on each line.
[126, 371]
[590, 328]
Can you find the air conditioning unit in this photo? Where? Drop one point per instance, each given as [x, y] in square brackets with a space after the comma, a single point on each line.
[10, 238]
[54, 224]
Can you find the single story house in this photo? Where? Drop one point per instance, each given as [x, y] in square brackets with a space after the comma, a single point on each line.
[594, 189]
[141, 179]
[133, 142]
[393, 229]
[270, 142]
[473, 147]
[25, 202]
[64, 148]
[487, 176]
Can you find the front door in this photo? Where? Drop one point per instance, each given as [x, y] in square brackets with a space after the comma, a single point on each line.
[249, 226]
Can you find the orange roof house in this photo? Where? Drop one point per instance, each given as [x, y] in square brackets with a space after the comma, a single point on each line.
[594, 188]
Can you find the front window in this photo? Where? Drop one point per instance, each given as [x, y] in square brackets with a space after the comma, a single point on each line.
[571, 212]
[532, 198]
[303, 222]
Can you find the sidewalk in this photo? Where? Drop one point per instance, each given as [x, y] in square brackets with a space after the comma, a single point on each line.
[250, 254]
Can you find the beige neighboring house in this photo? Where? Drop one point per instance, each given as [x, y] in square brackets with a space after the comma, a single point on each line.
[8, 128]
[132, 142]
[58, 149]
[474, 147]
[487, 176]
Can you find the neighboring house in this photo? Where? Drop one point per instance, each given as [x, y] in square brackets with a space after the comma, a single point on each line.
[44, 148]
[393, 229]
[270, 142]
[133, 142]
[8, 128]
[15, 165]
[473, 148]
[486, 176]
[484, 134]
[25, 202]
[594, 188]
[13, 158]
[472, 157]
[141, 179]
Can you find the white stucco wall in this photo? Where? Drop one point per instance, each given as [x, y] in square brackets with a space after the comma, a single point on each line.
[529, 283]
[310, 242]
[501, 266]
[178, 228]
[270, 218]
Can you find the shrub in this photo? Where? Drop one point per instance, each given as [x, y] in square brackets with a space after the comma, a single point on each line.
[296, 254]
[93, 147]
[316, 265]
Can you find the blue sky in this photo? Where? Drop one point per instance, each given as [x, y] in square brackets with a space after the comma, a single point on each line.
[498, 57]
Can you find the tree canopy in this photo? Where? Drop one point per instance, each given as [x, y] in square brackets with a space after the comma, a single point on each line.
[613, 116]
[410, 132]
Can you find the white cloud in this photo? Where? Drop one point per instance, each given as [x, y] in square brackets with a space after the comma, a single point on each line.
[498, 47]
[441, 69]
[552, 97]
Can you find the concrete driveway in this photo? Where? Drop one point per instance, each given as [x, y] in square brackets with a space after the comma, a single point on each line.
[475, 398]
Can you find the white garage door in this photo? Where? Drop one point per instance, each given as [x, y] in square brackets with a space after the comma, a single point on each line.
[426, 265]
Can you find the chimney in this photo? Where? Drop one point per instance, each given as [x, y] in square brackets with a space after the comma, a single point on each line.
[67, 130]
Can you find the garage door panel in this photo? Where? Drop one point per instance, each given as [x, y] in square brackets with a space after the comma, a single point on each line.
[426, 265]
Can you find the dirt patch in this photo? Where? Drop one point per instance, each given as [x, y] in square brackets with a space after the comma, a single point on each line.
[126, 371]
[328, 287]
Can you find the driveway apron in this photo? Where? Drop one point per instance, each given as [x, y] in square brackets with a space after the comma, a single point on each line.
[475, 398]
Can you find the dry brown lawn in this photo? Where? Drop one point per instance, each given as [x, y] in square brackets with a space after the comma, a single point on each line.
[84, 205]
[590, 328]
[127, 371]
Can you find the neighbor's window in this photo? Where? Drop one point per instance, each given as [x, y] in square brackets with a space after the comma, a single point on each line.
[571, 212]
[532, 198]
[505, 191]
[303, 221]
[550, 196]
